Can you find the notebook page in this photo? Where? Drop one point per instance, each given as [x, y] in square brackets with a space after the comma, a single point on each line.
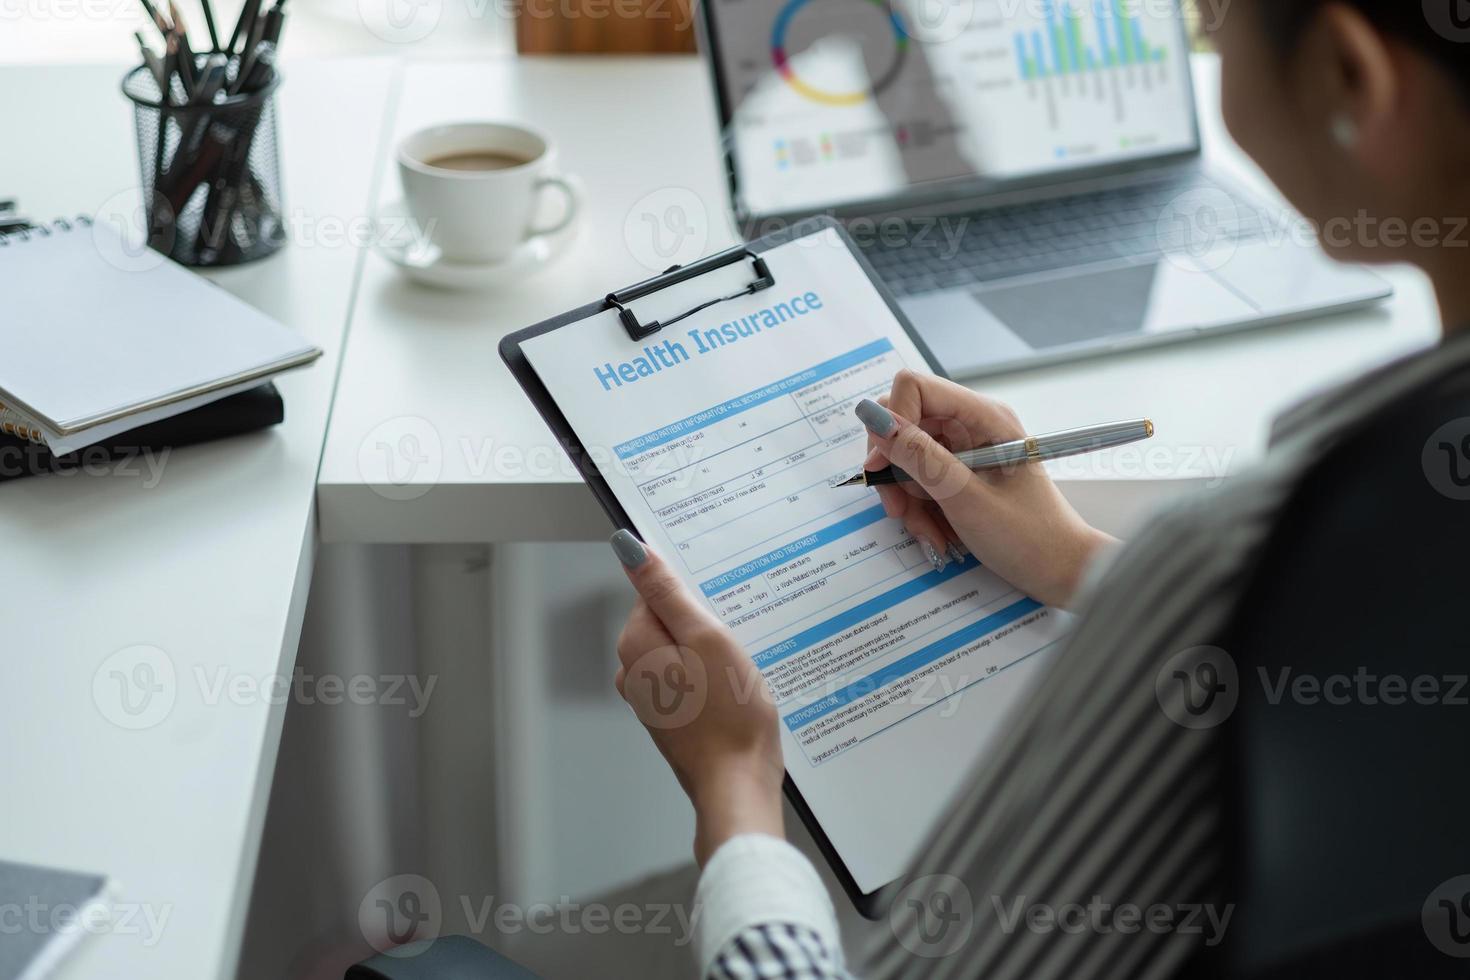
[86, 337]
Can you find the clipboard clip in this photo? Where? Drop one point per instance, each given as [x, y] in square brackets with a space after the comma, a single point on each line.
[638, 330]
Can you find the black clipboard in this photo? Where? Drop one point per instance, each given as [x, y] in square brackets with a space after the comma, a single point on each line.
[873, 904]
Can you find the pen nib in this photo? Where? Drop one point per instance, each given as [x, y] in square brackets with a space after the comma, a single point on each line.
[852, 482]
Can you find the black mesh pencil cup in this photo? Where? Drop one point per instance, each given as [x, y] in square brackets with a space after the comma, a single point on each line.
[211, 174]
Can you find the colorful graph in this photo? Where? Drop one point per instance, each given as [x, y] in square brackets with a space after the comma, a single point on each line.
[1060, 48]
[783, 63]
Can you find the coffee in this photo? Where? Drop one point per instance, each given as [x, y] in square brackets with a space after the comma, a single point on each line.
[477, 160]
[476, 188]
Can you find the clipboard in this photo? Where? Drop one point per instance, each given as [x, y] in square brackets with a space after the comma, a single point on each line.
[874, 904]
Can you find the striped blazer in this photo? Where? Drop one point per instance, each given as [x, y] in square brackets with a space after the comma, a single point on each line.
[1088, 843]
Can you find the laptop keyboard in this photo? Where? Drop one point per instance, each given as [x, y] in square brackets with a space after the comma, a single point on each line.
[1132, 222]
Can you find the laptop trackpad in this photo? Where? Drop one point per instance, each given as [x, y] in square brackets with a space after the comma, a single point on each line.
[980, 328]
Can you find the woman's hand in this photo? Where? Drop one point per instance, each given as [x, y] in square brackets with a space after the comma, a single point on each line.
[702, 700]
[1015, 520]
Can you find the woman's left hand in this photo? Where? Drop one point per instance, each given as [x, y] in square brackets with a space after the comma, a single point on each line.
[703, 701]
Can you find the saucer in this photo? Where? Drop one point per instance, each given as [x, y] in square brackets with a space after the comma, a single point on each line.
[422, 262]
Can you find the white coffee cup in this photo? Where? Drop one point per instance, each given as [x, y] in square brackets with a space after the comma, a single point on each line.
[480, 215]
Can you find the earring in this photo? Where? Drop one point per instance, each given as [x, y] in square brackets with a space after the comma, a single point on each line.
[1344, 131]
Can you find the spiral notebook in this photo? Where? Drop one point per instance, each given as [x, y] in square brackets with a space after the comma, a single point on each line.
[101, 337]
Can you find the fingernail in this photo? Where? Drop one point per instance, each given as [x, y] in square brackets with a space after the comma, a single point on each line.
[934, 558]
[630, 550]
[875, 417]
[955, 554]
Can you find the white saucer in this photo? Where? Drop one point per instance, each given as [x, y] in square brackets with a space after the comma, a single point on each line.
[422, 261]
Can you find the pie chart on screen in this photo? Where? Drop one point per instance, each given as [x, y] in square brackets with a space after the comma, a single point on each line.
[892, 40]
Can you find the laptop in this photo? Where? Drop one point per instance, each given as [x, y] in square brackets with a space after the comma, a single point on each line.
[1025, 175]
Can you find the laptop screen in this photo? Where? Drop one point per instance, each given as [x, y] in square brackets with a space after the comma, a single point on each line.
[834, 102]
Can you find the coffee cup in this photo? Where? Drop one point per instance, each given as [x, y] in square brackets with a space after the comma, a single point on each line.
[474, 188]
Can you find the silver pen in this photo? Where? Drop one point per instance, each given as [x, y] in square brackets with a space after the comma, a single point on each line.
[1032, 449]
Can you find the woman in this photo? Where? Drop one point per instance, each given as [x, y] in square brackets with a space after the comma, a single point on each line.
[1360, 111]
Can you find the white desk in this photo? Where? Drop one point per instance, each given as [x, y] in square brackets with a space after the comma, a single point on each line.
[479, 465]
[426, 364]
[209, 566]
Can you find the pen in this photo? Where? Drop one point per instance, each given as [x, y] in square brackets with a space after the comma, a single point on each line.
[258, 67]
[243, 25]
[1032, 449]
[260, 64]
[253, 34]
[275, 20]
[209, 23]
[263, 57]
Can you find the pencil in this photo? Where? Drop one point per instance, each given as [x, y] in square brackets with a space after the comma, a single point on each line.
[159, 21]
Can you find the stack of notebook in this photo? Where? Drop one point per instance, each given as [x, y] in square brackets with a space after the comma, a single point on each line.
[108, 350]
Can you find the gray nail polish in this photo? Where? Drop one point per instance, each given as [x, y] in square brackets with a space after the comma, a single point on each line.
[878, 419]
[955, 554]
[934, 559]
[630, 550]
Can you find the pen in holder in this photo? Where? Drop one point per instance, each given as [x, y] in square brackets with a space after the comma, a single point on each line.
[211, 174]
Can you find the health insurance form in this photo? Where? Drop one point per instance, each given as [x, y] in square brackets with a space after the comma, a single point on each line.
[720, 436]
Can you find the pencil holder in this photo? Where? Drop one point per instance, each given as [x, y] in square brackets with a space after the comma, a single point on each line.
[211, 174]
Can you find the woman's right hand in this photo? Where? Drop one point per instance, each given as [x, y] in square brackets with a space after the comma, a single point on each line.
[1015, 521]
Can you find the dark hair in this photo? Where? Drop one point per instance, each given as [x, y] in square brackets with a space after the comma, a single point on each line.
[1435, 27]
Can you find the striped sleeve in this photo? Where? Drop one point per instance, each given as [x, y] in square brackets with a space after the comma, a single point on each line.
[778, 951]
[764, 912]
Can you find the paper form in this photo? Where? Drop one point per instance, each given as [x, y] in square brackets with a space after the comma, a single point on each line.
[720, 436]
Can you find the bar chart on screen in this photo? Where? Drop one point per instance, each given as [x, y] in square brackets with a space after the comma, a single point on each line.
[1096, 51]
[1068, 45]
